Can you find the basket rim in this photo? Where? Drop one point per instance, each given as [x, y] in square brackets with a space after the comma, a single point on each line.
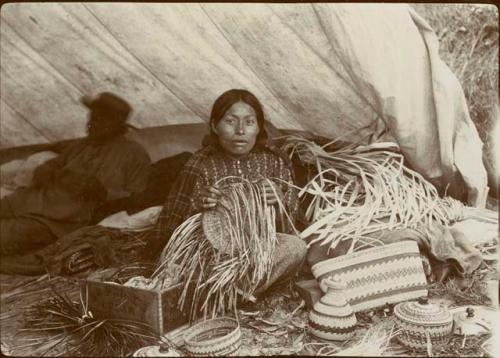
[353, 255]
[199, 328]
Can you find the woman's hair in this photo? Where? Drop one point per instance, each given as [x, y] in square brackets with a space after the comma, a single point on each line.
[222, 105]
[226, 100]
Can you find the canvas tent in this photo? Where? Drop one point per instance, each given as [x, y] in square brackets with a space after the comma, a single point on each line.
[339, 70]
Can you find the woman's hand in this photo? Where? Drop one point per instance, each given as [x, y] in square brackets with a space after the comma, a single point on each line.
[211, 198]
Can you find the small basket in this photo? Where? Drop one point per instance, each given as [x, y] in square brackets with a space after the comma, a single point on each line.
[214, 337]
[156, 351]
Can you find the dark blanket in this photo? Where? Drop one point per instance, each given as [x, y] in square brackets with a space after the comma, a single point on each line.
[84, 249]
[162, 175]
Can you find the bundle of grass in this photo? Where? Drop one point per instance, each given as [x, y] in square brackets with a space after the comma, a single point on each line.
[374, 342]
[475, 294]
[61, 322]
[225, 252]
[358, 190]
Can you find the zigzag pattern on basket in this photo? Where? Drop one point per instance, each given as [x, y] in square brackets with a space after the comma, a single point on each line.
[327, 320]
[199, 341]
[384, 276]
[405, 293]
[408, 319]
[219, 352]
[435, 335]
[367, 257]
[434, 329]
[377, 266]
[322, 315]
[376, 263]
[420, 341]
[388, 271]
[320, 327]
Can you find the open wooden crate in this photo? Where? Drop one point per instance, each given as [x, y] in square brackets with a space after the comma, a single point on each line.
[157, 308]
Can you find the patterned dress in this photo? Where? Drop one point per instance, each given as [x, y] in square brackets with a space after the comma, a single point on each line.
[205, 168]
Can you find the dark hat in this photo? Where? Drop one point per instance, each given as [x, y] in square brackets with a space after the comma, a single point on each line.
[108, 101]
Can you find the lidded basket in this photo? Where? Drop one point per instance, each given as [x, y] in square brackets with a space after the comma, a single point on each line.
[332, 317]
[157, 351]
[421, 321]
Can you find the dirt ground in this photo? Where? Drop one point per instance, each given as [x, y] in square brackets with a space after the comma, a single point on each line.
[275, 325]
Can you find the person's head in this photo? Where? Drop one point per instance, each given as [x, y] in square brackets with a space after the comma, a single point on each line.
[237, 122]
[108, 116]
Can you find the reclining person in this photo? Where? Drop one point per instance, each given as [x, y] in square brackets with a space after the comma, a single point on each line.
[67, 189]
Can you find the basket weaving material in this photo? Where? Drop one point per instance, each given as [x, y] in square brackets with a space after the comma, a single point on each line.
[214, 337]
[376, 276]
[216, 229]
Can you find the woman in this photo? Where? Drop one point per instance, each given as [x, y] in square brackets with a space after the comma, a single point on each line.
[238, 147]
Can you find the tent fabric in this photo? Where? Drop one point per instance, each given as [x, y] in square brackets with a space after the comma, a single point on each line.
[350, 71]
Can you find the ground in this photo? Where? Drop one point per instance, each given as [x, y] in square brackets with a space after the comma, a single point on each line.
[275, 325]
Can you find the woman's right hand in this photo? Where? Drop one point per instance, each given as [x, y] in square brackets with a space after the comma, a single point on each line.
[210, 198]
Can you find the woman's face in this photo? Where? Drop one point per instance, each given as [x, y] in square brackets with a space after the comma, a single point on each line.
[237, 130]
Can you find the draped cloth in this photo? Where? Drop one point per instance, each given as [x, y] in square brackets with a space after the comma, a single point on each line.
[448, 251]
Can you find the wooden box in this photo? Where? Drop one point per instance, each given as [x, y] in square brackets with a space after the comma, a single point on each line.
[155, 308]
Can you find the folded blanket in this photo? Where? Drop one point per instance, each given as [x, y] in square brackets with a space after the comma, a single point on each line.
[86, 248]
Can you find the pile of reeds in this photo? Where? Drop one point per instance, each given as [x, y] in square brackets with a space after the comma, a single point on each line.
[358, 190]
[66, 327]
[234, 264]
[376, 341]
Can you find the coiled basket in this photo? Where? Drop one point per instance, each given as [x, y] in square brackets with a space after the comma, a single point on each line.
[214, 337]
[384, 274]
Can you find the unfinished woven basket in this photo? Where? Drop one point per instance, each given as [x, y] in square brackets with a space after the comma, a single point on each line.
[214, 337]
[216, 230]
[384, 274]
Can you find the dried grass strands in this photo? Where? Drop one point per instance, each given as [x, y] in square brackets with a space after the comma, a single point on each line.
[60, 320]
[457, 211]
[220, 276]
[375, 342]
[359, 190]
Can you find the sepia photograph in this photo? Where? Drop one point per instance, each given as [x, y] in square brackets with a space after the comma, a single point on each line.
[249, 179]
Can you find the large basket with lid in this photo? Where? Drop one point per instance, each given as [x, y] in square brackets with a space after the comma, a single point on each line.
[384, 274]
[422, 322]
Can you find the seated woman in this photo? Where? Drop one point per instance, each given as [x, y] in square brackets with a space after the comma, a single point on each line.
[238, 147]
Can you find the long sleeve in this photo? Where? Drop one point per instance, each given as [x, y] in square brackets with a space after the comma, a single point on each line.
[177, 208]
[137, 170]
[290, 194]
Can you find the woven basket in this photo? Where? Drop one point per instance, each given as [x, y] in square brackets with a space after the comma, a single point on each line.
[214, 337]
[384, 274]
[216, 230]
[155, 351]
